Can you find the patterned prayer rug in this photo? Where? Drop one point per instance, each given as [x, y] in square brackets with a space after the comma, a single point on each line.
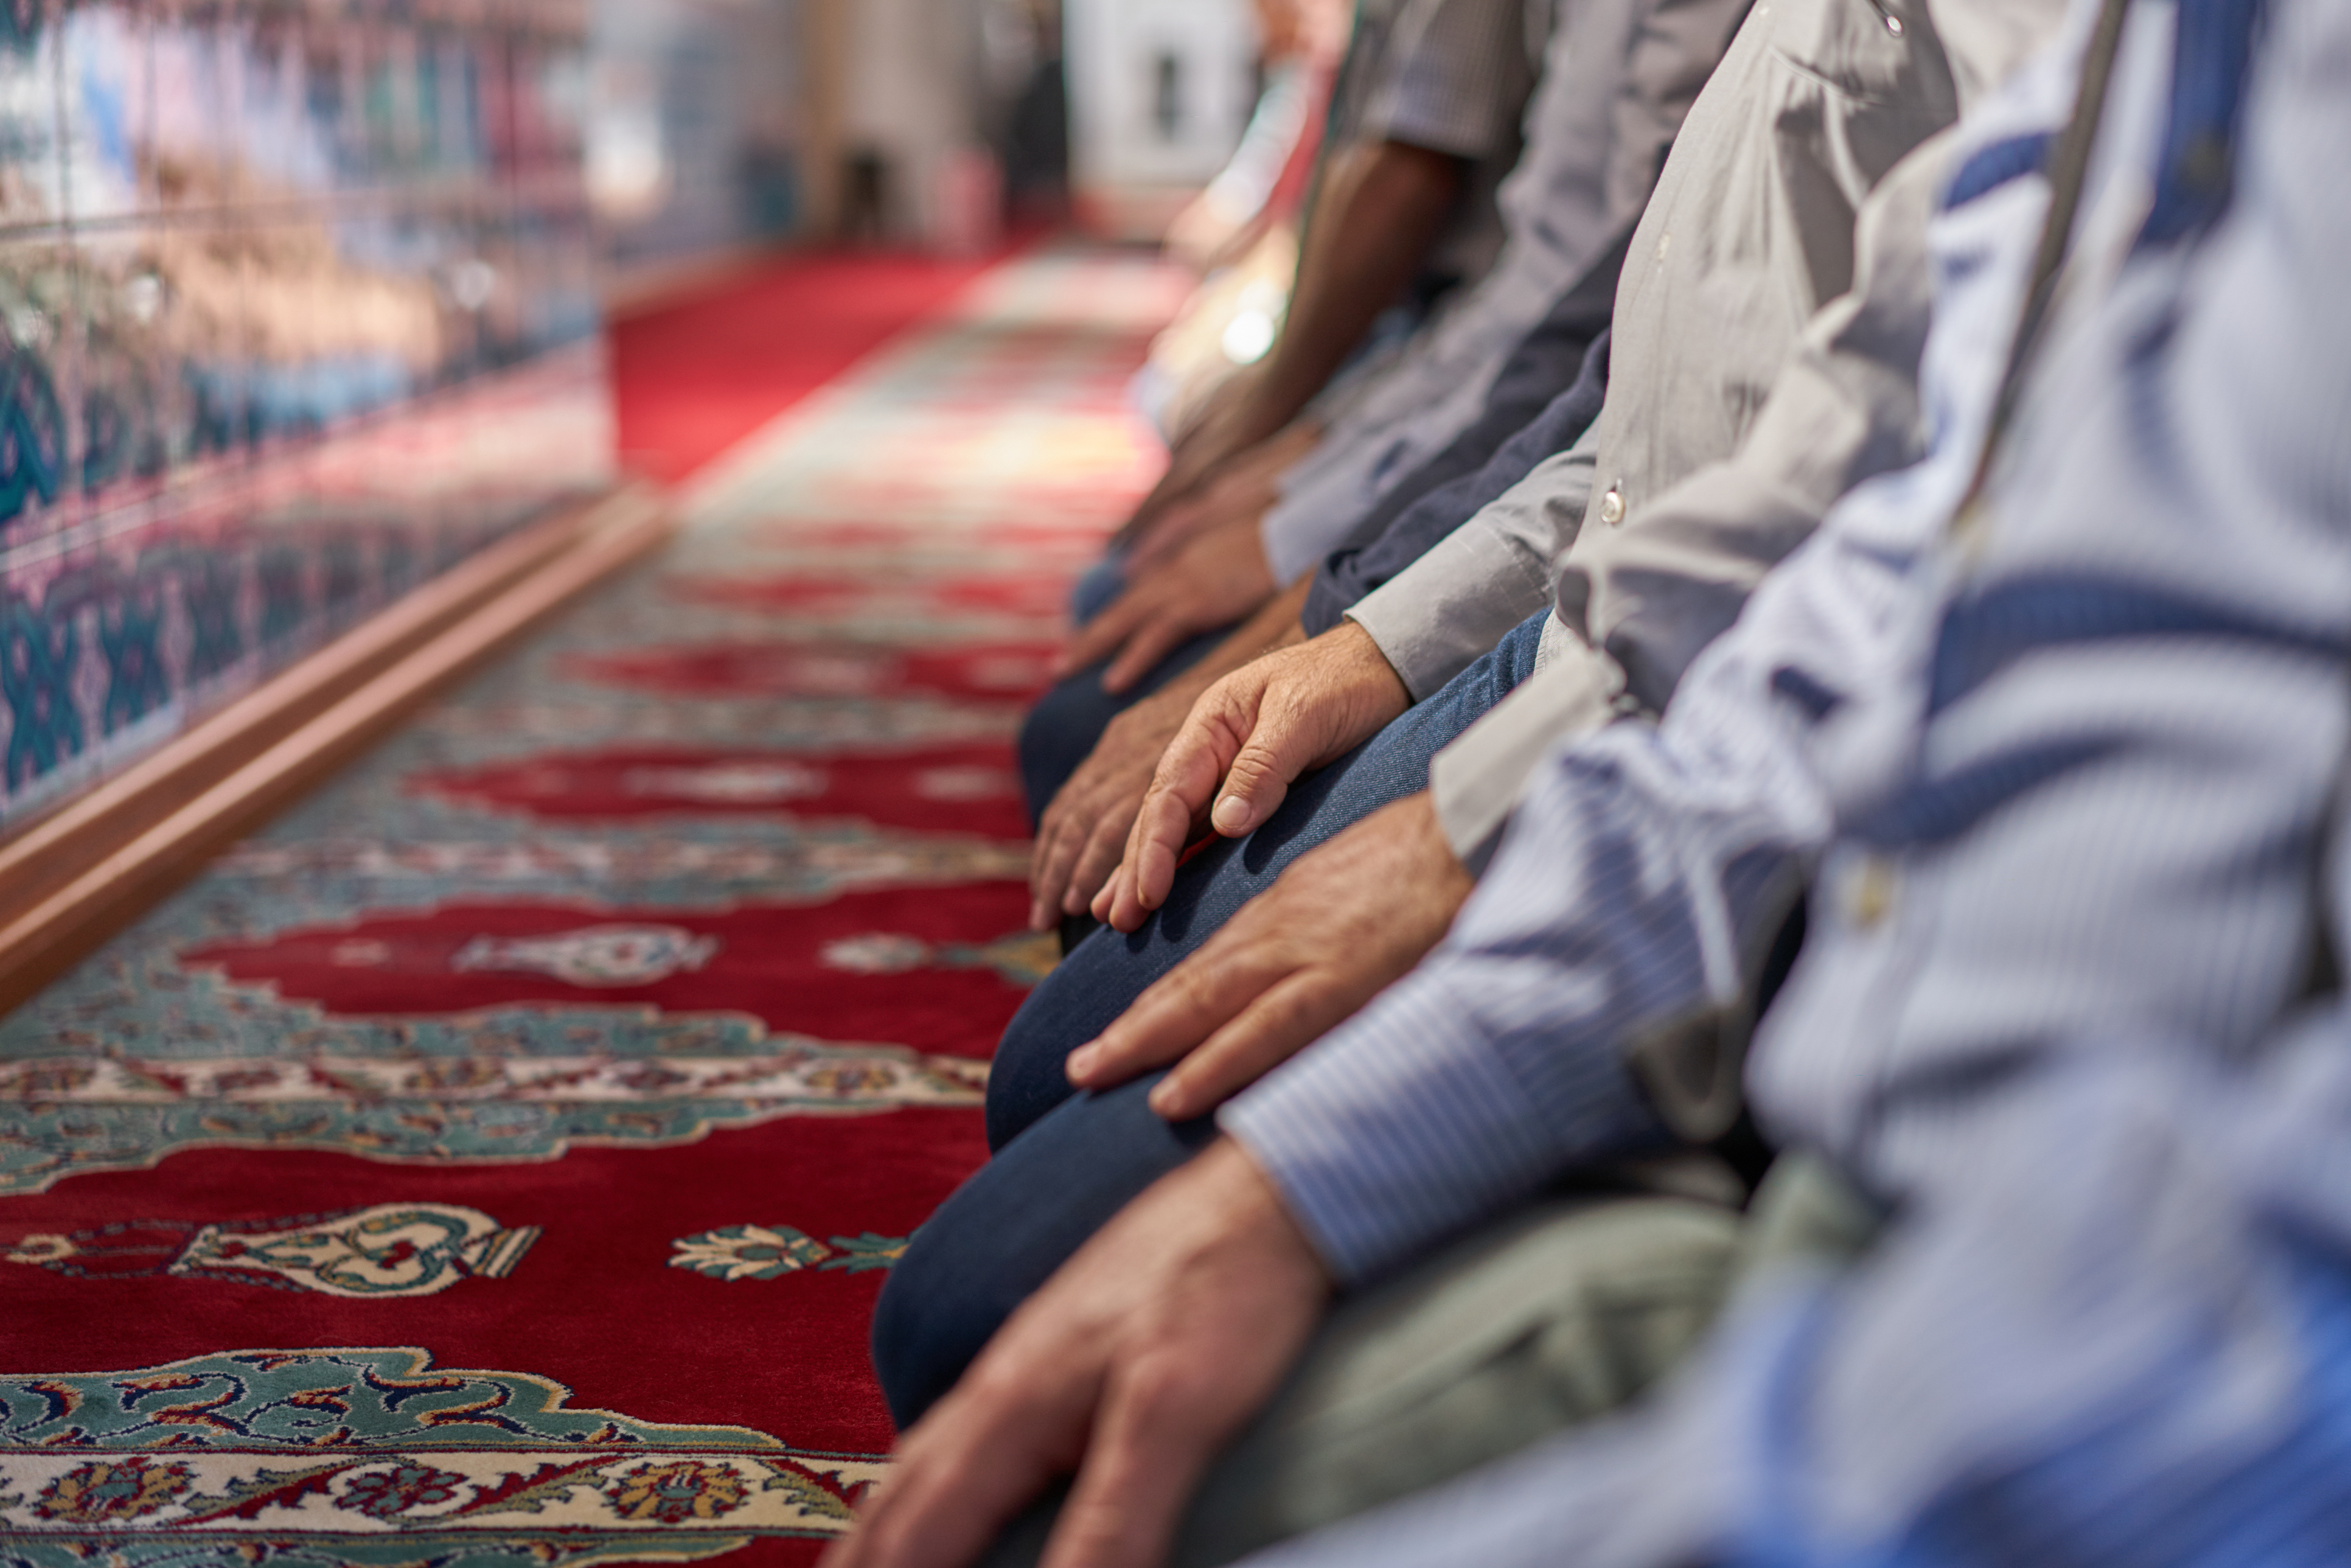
[495, 1160]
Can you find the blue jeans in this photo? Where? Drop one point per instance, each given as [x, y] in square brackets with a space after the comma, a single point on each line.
[1061, 731]
[1064, 1162]
[1103, 975]
[1005, 1231]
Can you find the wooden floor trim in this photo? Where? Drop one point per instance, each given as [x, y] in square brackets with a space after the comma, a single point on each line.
[76, 878]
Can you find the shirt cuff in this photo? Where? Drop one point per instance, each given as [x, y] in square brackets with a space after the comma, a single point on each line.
[1438, 616]
[1406, 1126]
[1475, 778]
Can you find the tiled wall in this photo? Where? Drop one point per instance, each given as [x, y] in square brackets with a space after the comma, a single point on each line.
[297, 309]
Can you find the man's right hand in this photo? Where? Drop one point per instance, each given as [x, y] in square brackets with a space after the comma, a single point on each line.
[1135, 1362]
[1246, 740]
[1082, 832]
[1294, 963]
[1245, 485]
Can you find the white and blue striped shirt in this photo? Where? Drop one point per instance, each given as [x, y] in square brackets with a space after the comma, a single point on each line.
[2067, 782]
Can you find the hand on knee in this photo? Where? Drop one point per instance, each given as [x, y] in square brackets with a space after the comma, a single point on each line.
[1134, 1366]
[1217, 578]
[1244, 742]
[1082, 832]
[1297, 960]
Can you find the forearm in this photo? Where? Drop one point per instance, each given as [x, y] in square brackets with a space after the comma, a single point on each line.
[1379, 212]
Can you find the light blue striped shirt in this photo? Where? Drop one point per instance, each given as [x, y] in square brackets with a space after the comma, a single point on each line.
[2065, 782]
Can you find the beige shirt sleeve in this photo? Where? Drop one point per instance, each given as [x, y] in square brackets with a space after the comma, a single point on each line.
[1639, 597]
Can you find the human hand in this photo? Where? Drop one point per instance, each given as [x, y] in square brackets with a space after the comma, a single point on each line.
[1344, 920]
[1241, 489]
[1215, 579]
[1134, 1366]
[1084, 828]
[1214, 464]
[1249, 735]
[1196, 453]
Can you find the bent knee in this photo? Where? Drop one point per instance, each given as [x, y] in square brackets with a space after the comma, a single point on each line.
[925, 1334]
[1059, 733]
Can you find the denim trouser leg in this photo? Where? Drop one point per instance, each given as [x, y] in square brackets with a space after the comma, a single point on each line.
[1104, 582]
[1061, 729]
[1078, 1159]
[1008, 1229]
[1103, 975]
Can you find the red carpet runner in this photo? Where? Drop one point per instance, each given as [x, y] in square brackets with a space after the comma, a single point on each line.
[692, 377]
[495, 1160]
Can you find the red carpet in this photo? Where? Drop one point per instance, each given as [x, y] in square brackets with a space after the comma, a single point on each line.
[493, 1164]
[693, 377]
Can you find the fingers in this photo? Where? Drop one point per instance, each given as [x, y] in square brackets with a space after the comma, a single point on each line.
[1281, 1022]
[1178, 1012]
[1181, 785]
[1078, 845]
[1059, 839]
[1163, 827]
[1149, 643]
[1164, 1418]
[1107, 898]
[1166, 534]
[1097, 859]
[966, 1470]
[1101, 637]
[1263, 766]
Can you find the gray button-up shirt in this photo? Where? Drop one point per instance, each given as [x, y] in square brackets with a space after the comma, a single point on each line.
[1617, 77]
[1775, 296]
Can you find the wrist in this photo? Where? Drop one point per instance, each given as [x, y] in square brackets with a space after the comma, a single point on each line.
[1250, 1205]
[1368, 666]
[1419, 827]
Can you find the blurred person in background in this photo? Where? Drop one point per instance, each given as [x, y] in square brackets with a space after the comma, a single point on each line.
[1240, 234]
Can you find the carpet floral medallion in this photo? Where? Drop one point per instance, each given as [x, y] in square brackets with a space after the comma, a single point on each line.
[379, 1457]
[496, 1159]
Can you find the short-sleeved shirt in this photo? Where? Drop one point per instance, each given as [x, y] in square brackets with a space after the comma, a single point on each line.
[1452, 76]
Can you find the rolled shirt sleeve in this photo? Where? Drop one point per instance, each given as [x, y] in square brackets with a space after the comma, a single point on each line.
[1458, 73]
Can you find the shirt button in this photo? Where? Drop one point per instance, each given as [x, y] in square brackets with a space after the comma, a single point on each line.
[1869, 897]
[1612, 507]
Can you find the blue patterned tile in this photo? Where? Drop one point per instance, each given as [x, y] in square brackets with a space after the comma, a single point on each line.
[309, 334]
